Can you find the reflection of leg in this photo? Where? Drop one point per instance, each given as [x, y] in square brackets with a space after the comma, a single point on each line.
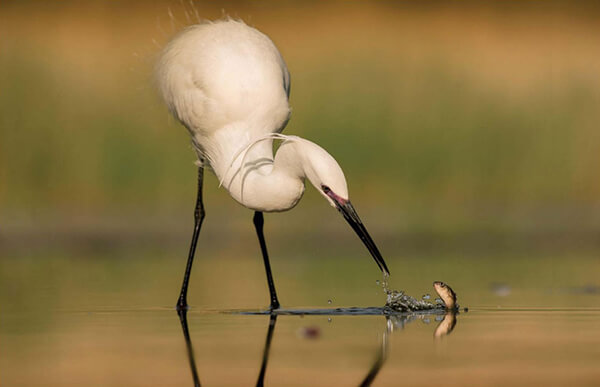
[198, 218]
[263, 367]
[381, 355]
[258, 224]
[188, 343]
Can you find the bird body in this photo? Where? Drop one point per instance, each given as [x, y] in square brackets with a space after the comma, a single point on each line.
[228, 85]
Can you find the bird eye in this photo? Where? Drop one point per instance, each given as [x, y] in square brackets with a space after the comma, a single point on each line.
[325, 189]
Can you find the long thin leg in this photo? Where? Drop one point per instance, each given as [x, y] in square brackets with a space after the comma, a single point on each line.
[198, 218]
[263, 367]
[258, 224]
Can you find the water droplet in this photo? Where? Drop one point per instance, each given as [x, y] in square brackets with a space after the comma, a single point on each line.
[426, 320]
[329, 319]
[329, 302]
[426, 296]
[377, 282]
[439, 301]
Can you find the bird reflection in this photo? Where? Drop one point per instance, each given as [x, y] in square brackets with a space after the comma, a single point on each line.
[381, 354]
[182, 313]
[188, 344]
[263, 366]
[393, 322]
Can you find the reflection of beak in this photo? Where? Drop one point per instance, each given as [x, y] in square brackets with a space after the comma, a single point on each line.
[345, 207]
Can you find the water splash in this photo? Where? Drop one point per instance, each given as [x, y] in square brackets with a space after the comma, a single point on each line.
[399, 301]
[385, 283]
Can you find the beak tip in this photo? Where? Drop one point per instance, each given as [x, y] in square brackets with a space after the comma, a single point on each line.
[385, 270]
[349, 213]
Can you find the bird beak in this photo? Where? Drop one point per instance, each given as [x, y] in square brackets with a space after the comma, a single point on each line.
[345, 207]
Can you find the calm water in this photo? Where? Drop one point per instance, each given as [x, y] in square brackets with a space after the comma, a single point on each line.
[106, 320]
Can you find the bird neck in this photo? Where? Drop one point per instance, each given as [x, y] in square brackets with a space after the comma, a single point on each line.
[260, 182]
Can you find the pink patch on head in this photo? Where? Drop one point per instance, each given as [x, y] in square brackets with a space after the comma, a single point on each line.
[336, 198]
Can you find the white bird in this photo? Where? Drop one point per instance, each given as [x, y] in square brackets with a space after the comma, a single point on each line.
[228, 85]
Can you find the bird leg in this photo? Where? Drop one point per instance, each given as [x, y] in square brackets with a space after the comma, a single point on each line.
[198, 218]
[258, 224]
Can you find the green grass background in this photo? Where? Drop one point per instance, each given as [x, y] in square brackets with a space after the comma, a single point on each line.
[477, 118]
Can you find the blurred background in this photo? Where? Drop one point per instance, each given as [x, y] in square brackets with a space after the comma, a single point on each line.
[468, 129]
[468, 132]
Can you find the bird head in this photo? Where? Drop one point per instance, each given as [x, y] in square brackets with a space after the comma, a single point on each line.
[325, 174]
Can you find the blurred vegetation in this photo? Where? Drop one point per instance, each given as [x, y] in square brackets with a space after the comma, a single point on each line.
[229, 278]
[446, 119]
[468, 133]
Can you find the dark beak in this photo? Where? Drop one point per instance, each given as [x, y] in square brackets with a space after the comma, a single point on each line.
[346, 208]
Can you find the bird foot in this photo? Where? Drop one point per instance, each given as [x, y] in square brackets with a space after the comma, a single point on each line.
[181, 305]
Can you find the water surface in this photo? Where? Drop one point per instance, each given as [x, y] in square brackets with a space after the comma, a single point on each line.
[104, 320]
